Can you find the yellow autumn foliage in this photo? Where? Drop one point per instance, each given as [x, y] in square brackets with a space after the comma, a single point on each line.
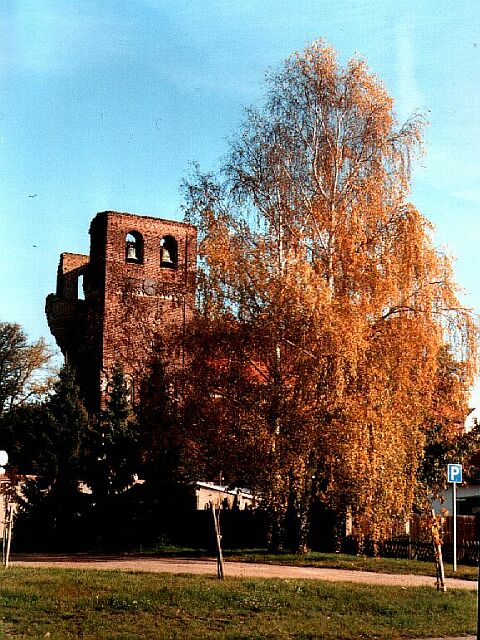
[323, 303]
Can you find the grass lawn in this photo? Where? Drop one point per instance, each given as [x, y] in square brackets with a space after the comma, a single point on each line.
[57, 604]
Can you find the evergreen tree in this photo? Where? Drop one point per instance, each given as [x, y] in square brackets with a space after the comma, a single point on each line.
[165, 500]
[23, 435]
[53, 505]
[113, 443]
[161, 428]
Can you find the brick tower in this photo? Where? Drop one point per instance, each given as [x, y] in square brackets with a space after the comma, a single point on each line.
[137, 285]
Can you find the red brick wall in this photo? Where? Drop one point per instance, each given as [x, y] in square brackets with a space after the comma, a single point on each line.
[142, 300]
[126, 304]
[71, 266]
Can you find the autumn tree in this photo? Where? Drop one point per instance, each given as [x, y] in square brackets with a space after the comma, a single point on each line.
[445, 438]
[323, 300]
[23, 372]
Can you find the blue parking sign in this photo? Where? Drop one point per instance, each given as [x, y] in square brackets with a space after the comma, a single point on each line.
[455, 473]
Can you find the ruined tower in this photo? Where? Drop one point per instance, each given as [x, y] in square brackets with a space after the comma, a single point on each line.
[137, 285]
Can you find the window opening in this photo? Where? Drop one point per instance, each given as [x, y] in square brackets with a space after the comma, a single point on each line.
[168, 252]
[134, 247]
[80, 289]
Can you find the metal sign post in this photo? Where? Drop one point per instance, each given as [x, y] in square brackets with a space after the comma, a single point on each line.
[454, 472]
[454, 490]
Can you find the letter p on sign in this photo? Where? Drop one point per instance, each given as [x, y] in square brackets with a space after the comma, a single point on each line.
[455, 473]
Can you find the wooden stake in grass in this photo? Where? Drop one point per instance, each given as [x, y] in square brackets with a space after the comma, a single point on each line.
[218, 537]
[437, 544]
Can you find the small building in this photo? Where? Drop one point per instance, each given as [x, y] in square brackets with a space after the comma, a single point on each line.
[222, 497]
[472, 419]
[468, 500]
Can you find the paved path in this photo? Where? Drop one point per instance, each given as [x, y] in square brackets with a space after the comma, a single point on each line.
[237, 569]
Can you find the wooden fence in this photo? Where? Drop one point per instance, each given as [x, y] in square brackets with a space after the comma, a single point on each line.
[409, 548]
[418, 544]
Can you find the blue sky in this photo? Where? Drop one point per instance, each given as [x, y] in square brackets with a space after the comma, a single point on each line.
[104, 103]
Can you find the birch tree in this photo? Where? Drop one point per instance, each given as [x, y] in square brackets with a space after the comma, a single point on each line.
[322, 300]
[23, 367]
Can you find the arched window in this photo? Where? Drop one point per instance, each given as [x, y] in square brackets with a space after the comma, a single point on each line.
[134, 247]
[168, 252]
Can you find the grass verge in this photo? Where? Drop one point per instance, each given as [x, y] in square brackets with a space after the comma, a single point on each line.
[58, 604]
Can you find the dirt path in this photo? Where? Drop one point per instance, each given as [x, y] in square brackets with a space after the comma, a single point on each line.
[237, 569]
